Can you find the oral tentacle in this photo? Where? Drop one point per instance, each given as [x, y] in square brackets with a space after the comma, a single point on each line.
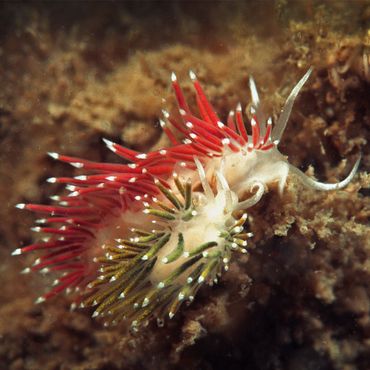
[256, 105]
[282, 121]
[317, 185]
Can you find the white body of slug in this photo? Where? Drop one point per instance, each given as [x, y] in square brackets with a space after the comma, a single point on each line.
[244, 169]
[214, 217]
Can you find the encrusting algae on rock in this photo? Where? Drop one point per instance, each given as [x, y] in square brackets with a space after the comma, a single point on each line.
[137, 240]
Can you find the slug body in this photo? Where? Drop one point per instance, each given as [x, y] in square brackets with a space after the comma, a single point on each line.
[139, 239]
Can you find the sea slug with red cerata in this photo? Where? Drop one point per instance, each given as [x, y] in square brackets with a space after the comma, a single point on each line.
[136, 240]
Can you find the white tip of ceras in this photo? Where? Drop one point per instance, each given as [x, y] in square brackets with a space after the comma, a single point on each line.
[40, 300]
[70, 187]
[20, 206]
[53, 155]
[192, 75]
[81, 177]
[238, 229]
[25, 271]
[173, 77]
[56, 198]
[17, 252]
[109, 144]
[77, 164]
[239, 107]
[51, 180]
[165, 113]
[145, 302]
[41, 221]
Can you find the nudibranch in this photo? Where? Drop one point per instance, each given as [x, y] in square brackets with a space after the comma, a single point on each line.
[136, 240]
